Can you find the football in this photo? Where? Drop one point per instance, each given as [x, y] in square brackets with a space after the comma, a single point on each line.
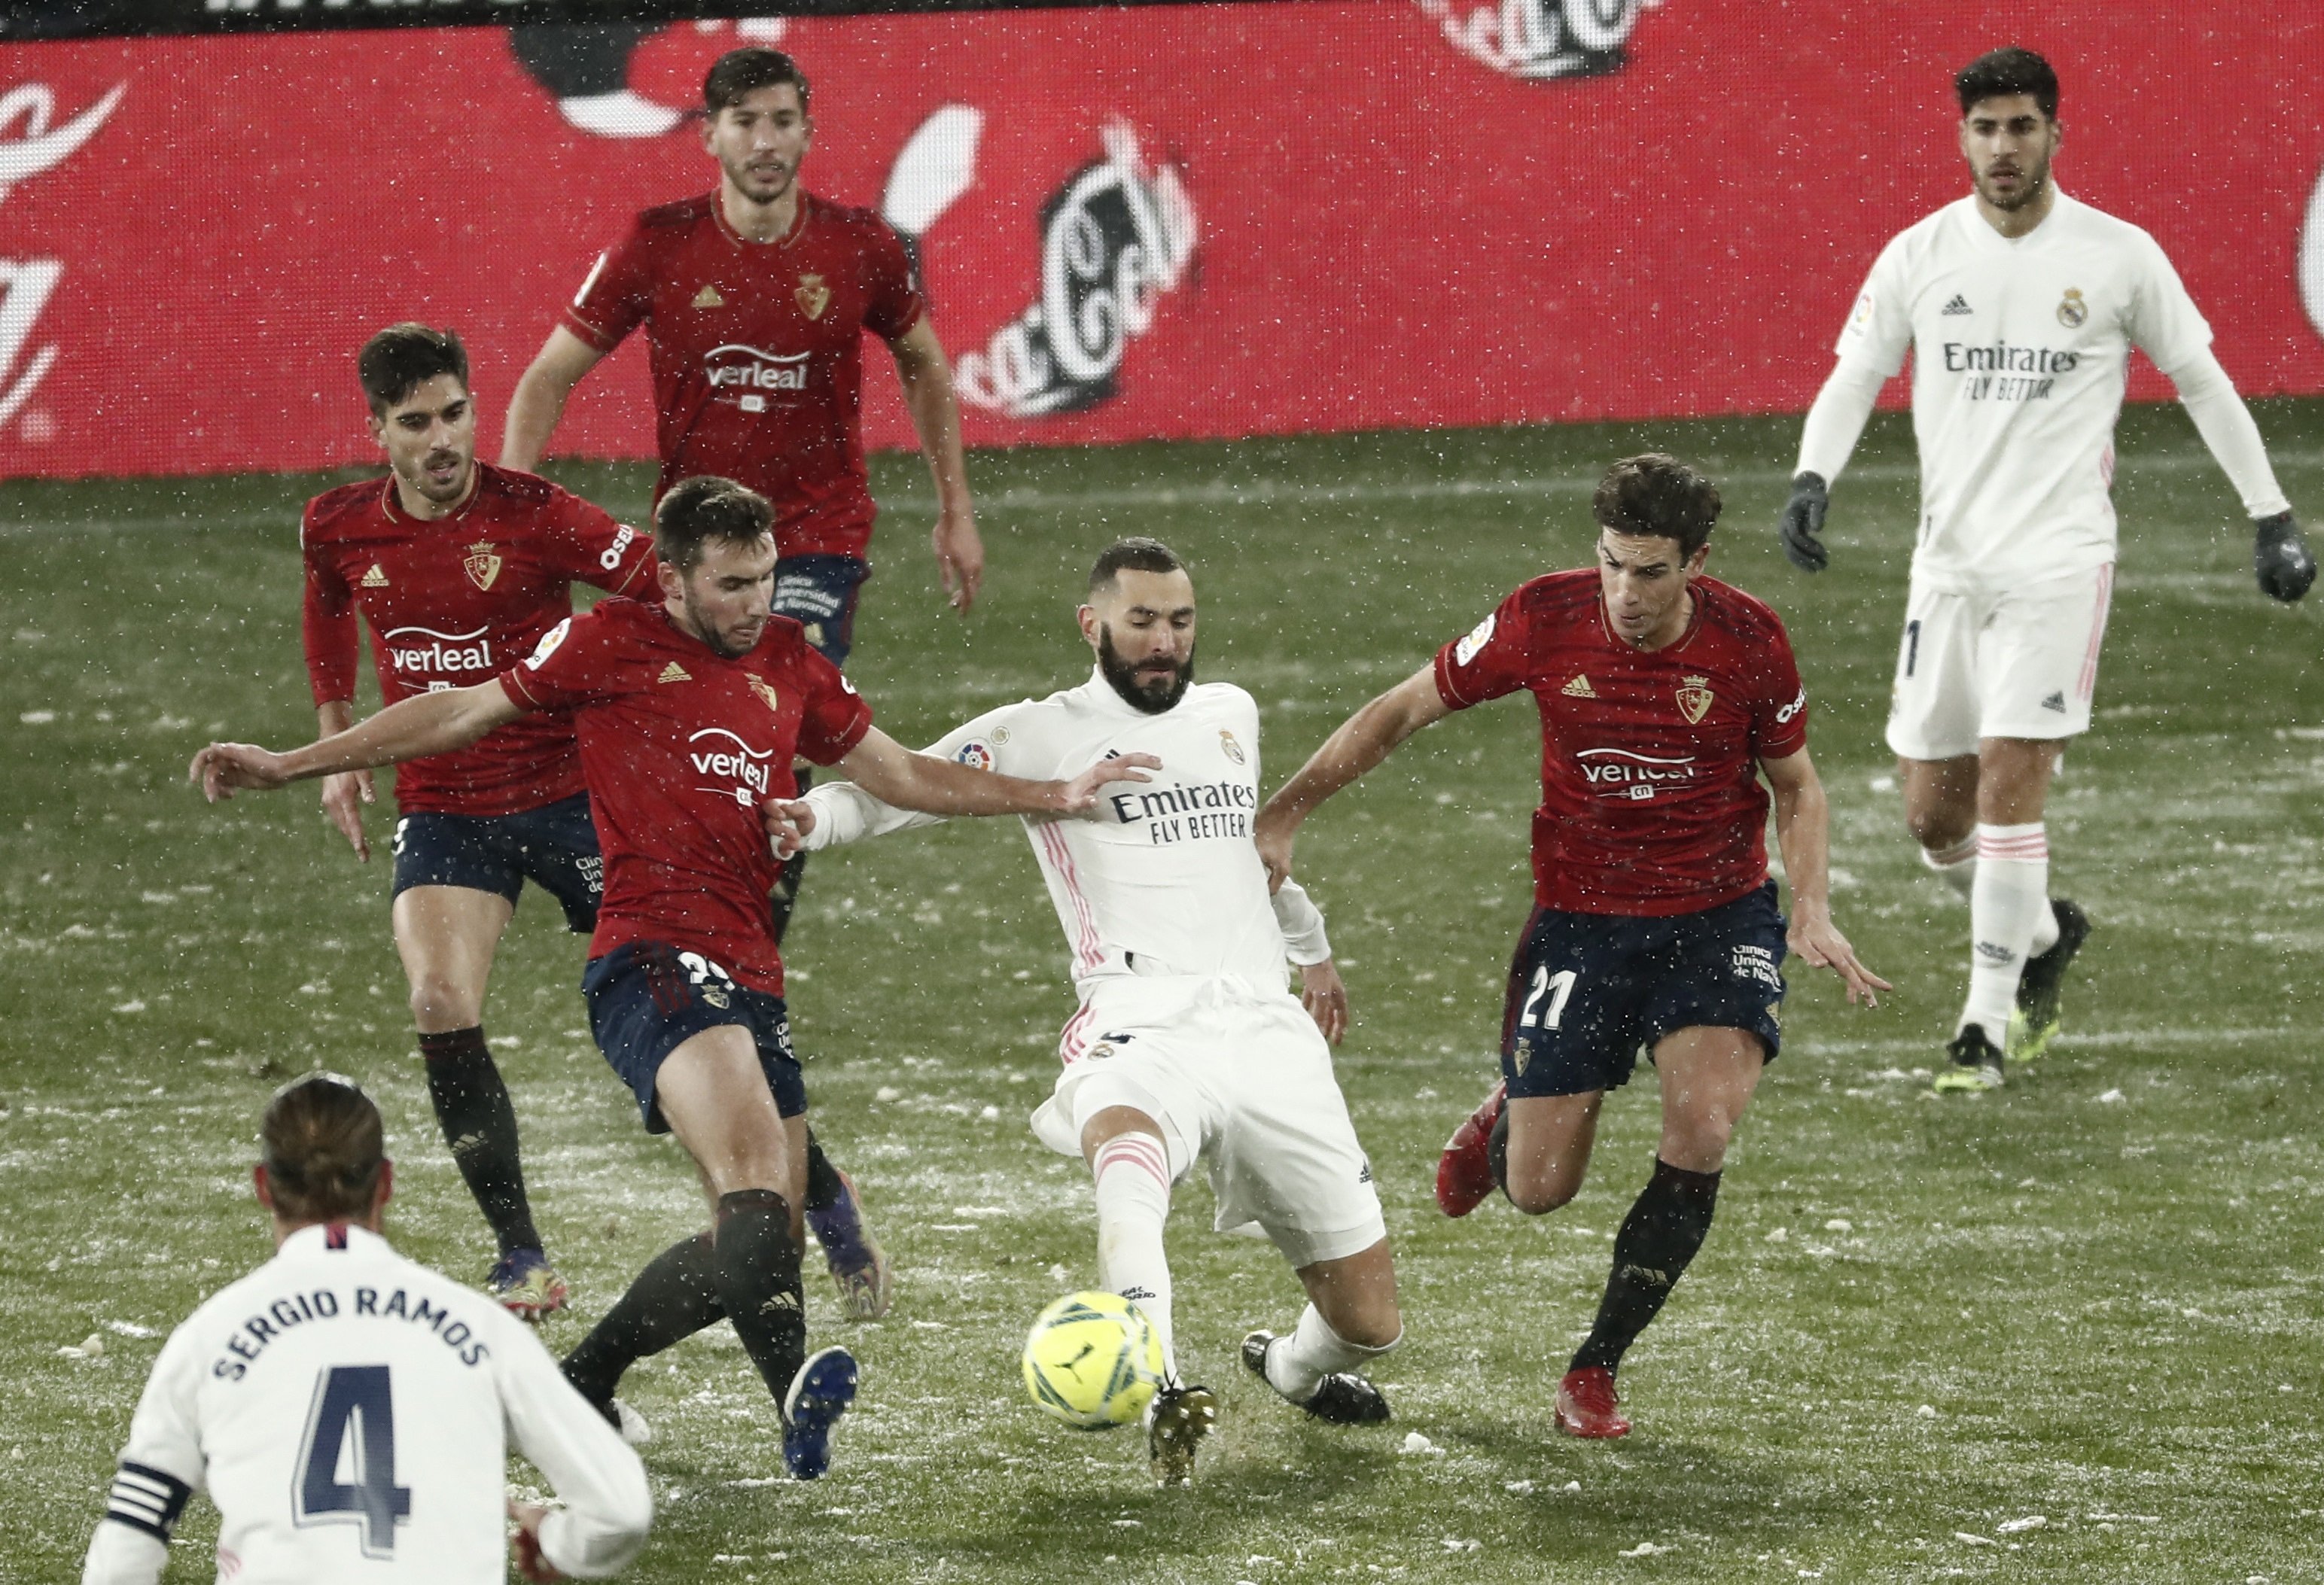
[1093, 1362]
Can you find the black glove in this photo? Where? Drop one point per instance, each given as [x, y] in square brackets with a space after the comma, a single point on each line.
[2281, 558]
[1803, 521]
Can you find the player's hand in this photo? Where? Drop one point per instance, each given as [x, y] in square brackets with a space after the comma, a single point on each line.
[1324, 995]
[959, 556]
[529, 1564]
[1079, 796]
[222, 768]
[1813, 938]
[1803, 521]
[788, 822]
[1274, 836]
[344, 796]
[2281, 558]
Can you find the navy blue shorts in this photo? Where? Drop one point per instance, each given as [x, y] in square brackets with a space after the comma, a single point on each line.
[821, 592]
[648, 998]
[554, 846]
[1587, 992]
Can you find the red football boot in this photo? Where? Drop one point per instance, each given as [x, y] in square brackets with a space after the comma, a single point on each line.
[1586, 1404]
[1464, 1174]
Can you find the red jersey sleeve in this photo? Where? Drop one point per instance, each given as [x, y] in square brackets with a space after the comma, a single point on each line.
[893, 304]
[571, 666]
[1779, 704]
[835, 717]
[589, 547]
[327, 622]
[617, 295]
[1489, 660]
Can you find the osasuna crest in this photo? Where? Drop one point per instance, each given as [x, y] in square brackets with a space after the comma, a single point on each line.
[1233, 749]
[1694, 698]
[482, 564]
[2072, 310]
[1520, 1054]
[813, 295]
[766, 695]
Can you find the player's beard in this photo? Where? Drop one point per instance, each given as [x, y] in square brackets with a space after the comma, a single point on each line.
[427, 489]
[1155, 699]
[2033, 180]
[732, 647]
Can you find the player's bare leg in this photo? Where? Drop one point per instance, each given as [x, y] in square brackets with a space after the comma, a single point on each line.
[1131, 1167]
[1545, 1147]
[446, 936]
[1708, 1075]
[1351, 1319]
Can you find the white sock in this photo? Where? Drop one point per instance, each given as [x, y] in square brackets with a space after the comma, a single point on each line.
[2009, 902]
[1133, 1200]
[1296, 1365]
[1956, 866]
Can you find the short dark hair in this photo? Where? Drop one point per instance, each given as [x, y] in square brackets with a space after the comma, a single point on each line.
[324, 1149]
[401, 358]
[1656, 496]
[1136, 554]
[1999, 73]
[745, 72]
[703, 508]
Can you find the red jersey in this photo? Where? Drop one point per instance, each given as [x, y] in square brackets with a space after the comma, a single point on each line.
[758, 352]
[1650, 800]
[452, 602]
[680, 746]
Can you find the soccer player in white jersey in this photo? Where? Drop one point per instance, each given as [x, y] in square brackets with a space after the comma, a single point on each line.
[2020, 306]
[1188, 1045]
[349, 1411]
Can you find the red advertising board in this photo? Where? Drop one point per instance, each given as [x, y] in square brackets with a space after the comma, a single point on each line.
[1166, 222]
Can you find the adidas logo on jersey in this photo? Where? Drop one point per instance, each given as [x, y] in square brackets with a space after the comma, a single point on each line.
[2056, 701]
[1960, 305]
[708, 297]
[375, 578]
[1579, 688]
[674, 672]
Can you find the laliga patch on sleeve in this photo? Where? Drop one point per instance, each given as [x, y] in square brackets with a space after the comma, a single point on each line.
[547, 645]
[1862, 314]
[1477, 639]
[976, 756]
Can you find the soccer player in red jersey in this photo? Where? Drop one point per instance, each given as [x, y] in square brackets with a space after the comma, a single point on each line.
[1664, 696]
[459, 568]
[688, 715]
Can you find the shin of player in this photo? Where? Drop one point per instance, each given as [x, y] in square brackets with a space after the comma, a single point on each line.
[1665, 698]
[2020, 306]
[1186, 1047]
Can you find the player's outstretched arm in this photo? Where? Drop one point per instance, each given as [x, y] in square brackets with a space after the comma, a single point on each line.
[345, 794]
[1803, 832]
[895, 775]
[541, 395]
[1363, 741]
[2281, 559]
[608, 1506]
[412, 729]
[927, 380]
[1835, 422]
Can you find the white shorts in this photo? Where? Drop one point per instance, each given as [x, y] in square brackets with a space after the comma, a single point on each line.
[2017, 663]
[1239, 1075]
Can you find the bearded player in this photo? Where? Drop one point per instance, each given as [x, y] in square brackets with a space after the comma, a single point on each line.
[460, 567]
[1186, 1046]
[755, 300]
[689, 712]
[2020, 306]
[1664, 696]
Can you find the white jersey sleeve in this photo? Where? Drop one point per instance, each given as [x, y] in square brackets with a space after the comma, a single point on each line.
[2164, 321]
[608, 1506]
[845, 813]
[159, 1469]
[1880, 328]
[1302, 923]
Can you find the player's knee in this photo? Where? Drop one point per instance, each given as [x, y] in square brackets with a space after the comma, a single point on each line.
[1940, 827]
[438, 1001]
[1539, 1193]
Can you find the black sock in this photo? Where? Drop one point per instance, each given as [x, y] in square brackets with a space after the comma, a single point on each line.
[785, 897]
[1497, 1149]
[1665, 1226]
[823, 1186]
[758, 1266]
[479, 1123]
[674, 1298]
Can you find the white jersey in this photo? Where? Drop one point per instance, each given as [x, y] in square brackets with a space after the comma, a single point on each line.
[1166, 879]
[2021, 350]
[349, 1411]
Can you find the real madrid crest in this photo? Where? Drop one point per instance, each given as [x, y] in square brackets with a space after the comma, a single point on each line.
[1233, 749]
[814, 296]
[1694, 698]
[766, 695]
[482, 564]
[2072, 310]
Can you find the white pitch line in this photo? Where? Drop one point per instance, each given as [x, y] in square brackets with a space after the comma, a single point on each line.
[2097, 1039]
